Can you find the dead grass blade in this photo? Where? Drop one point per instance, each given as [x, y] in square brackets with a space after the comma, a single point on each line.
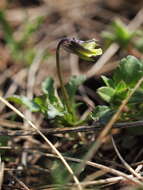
[133, 172]
[1, 174]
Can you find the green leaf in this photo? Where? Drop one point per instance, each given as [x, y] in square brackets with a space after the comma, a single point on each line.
[120, 29]
[106, 93]
[22, 100]
[53, 112]
[48, 86]
[41, 101]
[137, 97]
[130, 71]
[119, 33]
[108, 36]
[73, 85]
[123, 35]
[107, 81]
[99, 112]
[120, 87]
[48, 89]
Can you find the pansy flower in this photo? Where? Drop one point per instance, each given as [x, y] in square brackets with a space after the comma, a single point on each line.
[87, 50]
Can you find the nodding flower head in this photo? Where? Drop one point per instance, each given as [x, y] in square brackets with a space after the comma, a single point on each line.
[87, 50]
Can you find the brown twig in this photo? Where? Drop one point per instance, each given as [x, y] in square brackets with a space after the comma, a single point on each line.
[86, 128]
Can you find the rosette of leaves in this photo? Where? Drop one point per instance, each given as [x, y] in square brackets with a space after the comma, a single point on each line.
[124, 78]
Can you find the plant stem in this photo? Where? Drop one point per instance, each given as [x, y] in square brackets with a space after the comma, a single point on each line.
[64, 92]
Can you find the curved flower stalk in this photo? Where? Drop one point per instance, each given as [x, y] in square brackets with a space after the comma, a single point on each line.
[86, 50]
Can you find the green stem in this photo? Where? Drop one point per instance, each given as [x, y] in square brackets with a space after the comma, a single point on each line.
[64, 92]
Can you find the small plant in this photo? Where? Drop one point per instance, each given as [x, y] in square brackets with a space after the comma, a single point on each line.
[117, 88]
[118, 33]
[61, 110]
